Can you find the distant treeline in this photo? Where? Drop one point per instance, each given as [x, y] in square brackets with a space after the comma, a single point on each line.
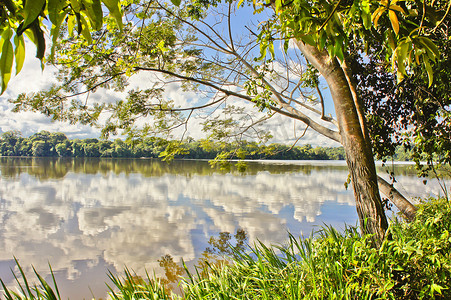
[46, 144]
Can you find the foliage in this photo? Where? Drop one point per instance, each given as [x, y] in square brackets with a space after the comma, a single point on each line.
[40, 291]
[414, 113]
[19, 17]
[46, 144]
[414, 262]
[402, 28]
[132, 286]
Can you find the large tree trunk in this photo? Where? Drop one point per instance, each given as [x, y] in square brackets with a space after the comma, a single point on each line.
[359, 156]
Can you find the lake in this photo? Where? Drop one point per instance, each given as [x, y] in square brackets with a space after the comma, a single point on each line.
[88, 216]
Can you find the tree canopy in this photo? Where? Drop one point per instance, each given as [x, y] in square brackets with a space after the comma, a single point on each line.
[278, 62]
[29, 18]
[57, 144]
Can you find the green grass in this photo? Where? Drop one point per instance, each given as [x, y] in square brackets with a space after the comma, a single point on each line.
[414, 262]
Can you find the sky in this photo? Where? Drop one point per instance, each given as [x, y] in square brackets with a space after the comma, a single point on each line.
[33, 79]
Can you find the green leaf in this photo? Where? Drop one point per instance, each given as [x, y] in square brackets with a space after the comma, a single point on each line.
[430, 47]
[322, 39]
[54, 8]
[85, 29]
[39, 40]
[76, 5]
[32, 10]
[54, 32]
[308, 39]
[366, 18]
[115, 11]
[428, 67]
[338, 50]
[19, 52]
[94, 13]
[177, 2]
[7, 57]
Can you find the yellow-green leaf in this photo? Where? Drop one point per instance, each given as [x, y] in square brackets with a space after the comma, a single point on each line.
[94, 13]
[394, 21]
[428, 67]
[32, 10]
[54, 8]
[85, 29]
[278, 5]
[30, 35]
[161, 46]
[71, 24]
[177, 2]
[391, 41]
[76, 5]
[7, 57]
[19, 52]
[431, 48]
[115, 11]
[271, 50]
[54, 32]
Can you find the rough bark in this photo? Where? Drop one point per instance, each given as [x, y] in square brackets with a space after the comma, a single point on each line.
[405, 207]
[359, 156]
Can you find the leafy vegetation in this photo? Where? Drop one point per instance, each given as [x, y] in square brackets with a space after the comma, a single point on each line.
[413, 262]
[19, 18]
[46, 144]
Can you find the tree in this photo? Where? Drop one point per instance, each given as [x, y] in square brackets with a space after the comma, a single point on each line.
[41, 142]
[26, 17]
[77, 148]
[194, 44]
[40, 148]
[413, 106]
[63, 149]
[9, 142]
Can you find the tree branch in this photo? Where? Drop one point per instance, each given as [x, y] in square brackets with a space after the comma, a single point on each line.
[405, 207]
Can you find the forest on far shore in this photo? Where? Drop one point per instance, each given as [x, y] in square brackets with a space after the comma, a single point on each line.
[47, 144]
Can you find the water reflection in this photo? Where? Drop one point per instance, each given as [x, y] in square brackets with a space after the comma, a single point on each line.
[86, 216]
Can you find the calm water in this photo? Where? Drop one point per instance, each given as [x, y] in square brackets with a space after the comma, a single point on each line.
[88, 216]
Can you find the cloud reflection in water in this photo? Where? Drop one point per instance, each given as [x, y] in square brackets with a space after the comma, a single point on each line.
[85, 222]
